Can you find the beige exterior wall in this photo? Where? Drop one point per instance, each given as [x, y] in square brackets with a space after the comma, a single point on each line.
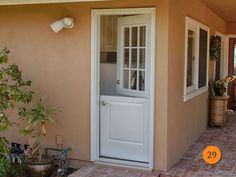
[59, 66]
[186, 120]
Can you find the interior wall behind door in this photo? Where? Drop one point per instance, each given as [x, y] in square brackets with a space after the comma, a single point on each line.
[231, 72]
[108, 54]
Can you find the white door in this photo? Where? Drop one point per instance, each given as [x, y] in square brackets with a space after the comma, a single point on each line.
[124, 119]
[124, 128]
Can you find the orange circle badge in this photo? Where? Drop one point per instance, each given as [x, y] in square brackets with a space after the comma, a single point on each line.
[211, 155]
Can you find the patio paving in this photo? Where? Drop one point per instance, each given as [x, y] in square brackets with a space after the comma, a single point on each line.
[191, 164]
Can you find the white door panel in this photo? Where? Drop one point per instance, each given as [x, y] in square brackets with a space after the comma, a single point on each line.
[118, 113]
[124, 128]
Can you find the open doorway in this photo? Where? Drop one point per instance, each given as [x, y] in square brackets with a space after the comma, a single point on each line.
[232, 72]
[124, 119]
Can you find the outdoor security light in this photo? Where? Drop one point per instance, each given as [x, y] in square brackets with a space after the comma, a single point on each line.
[66, 22]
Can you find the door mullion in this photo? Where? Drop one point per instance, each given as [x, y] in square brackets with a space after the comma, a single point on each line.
[138, 57]
[130, 56]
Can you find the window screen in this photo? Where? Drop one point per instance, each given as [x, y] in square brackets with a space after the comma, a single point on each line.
[202, 58]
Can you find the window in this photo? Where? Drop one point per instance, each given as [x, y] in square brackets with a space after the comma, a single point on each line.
[134, 58]
[202, 81]
[133, 66]
[196, 58]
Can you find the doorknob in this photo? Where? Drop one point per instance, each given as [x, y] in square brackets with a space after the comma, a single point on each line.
[118, 82]
[103, 103]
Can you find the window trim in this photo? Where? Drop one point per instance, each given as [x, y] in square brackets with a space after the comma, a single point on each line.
[222, 57]
[190, 92]
[192, 88]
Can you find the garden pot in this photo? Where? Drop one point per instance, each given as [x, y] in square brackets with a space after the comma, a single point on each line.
[218, 110]
[39, 169]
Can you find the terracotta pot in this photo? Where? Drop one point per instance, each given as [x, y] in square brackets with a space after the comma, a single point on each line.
[39, 169]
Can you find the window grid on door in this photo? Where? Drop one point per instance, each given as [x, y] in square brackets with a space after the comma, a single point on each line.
[134, 59]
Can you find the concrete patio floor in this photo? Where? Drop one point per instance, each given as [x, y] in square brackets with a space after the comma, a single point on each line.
[191, 164]
[105, 171]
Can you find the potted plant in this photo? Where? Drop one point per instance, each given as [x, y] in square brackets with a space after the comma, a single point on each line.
[219, 101]
[14, 91]
[33, 124]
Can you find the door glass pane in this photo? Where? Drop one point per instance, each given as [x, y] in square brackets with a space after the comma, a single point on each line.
[126, 37]
[142, 59]
[126, 59]
[142, 36]
[134, 58]
[133, 80]
[134, 36]
[190, 57]
[141, 80]
[126, 79]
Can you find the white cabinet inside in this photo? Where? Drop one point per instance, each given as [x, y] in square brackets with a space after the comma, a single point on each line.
[109, 33]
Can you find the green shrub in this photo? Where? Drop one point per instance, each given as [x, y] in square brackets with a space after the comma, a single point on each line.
[14, 91]
[5, 166]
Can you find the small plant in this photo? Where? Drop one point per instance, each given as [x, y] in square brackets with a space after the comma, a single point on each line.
[17, 170]
[5, 165]
[33, 123]
[3, 147]
[218, 88]
[9, 169]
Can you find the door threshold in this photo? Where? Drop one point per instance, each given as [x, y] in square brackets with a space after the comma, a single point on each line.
[123, 164]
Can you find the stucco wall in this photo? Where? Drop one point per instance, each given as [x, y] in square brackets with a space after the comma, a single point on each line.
[186, 120]
[59, 66]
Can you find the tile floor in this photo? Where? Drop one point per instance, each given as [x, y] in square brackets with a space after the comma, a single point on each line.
[191, 164]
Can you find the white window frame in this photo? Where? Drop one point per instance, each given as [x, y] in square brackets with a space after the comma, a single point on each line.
[222, 57]
[193, 91]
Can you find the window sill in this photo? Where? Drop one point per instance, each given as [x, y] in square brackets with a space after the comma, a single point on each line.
[195, 93]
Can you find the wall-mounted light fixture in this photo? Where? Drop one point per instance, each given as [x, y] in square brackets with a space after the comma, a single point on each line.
[66, 22]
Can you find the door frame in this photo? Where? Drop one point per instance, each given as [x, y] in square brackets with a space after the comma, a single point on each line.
[231, 87]
[226, 54]
[95, 83]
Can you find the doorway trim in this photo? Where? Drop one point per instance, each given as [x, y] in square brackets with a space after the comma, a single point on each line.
[95, 82]
[226, 57]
